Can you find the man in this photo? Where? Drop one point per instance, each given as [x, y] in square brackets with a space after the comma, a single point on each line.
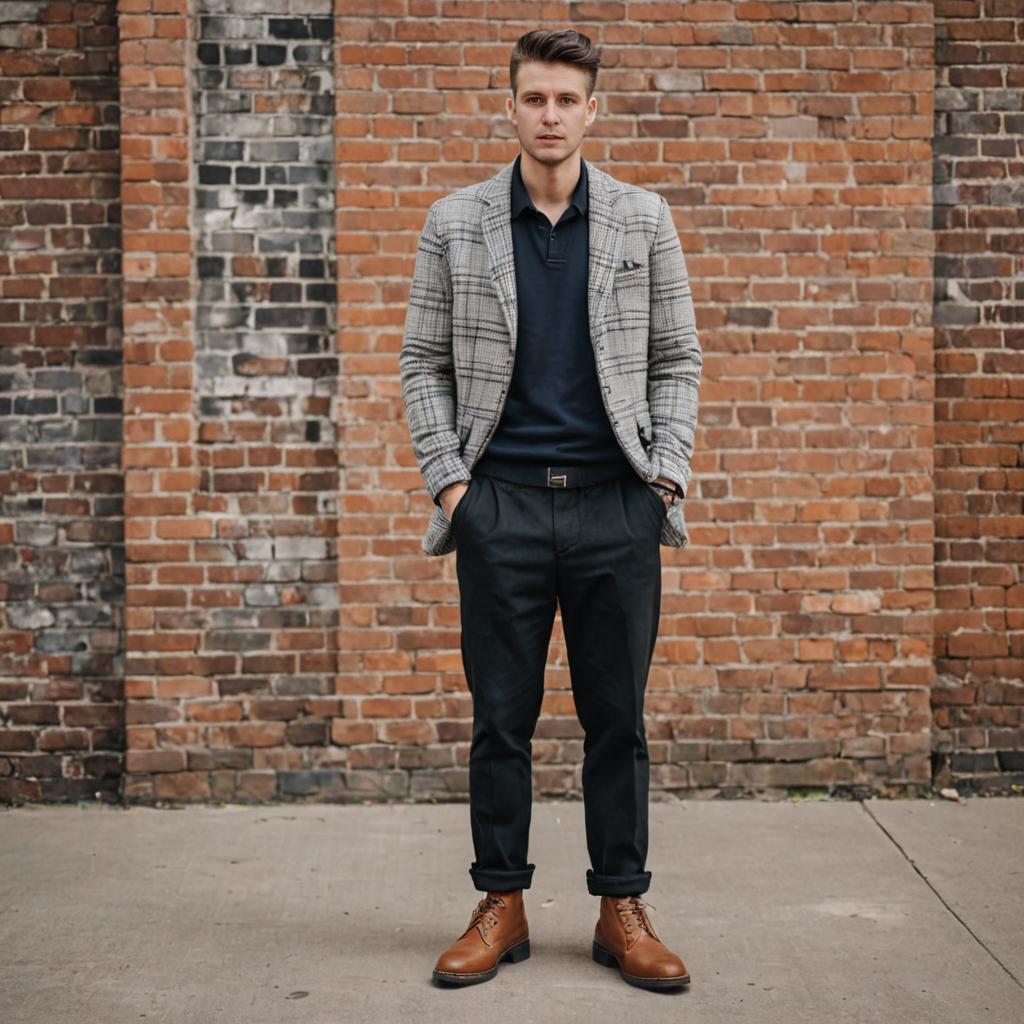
[550, 373]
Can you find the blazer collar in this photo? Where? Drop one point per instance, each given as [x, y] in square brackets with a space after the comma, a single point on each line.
[498, 188]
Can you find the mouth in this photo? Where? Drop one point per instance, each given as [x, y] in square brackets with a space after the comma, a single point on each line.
[551, 138]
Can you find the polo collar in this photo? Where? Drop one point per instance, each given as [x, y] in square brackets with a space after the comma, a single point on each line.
[521, 197]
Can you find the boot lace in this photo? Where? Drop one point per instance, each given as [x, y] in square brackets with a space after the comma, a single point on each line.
[484, 916]
[633, 911]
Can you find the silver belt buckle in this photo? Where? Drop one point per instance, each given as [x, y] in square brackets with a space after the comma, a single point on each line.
[556, 479]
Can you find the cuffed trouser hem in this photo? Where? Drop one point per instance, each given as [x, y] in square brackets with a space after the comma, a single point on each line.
[489, 879]
[618, 885]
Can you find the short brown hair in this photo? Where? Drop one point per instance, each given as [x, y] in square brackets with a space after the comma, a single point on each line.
[566, 46]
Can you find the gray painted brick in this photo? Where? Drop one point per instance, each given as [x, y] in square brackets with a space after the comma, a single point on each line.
[265, 194]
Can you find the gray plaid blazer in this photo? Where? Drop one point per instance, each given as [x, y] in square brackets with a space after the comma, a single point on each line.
[461, 329]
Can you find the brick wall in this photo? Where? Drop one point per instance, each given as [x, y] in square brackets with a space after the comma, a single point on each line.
[233, 577]
[61, 492]
[164, 527]
[979, 386]
[792, 142]
[266, 387]
[284, 636]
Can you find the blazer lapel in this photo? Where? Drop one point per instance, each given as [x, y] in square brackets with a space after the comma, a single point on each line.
[497, 230]
[605, 228]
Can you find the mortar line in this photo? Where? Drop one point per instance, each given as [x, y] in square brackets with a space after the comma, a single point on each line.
[939, 896]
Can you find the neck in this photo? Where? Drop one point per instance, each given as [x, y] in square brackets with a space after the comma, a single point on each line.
[550, 184]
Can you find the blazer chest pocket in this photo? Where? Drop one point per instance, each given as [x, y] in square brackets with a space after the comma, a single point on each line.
[632, 285]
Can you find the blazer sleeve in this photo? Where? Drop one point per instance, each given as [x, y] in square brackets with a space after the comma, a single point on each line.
[426, 364]
[674, 357]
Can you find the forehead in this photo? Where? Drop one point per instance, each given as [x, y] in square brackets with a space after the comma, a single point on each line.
[551, 79]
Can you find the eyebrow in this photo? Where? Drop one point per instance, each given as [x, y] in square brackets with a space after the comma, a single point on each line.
[535, 92]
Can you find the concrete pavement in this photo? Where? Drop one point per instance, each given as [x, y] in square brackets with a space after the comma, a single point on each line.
[817, 911]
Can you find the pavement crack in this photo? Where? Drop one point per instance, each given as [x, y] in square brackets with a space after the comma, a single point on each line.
[938, 895]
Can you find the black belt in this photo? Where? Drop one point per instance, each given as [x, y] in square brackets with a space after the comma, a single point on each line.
[552, 476]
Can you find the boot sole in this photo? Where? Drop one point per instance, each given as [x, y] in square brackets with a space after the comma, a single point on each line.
[609, 959]
[515, 954]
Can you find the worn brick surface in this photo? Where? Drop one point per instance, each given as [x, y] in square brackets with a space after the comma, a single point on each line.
[266, 382]
[979, 384]
[61, 492]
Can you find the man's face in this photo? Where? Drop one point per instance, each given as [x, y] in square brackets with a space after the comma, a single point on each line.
[551, 111]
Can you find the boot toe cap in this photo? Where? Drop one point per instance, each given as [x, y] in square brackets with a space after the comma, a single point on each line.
[454, 961]
[669, 966]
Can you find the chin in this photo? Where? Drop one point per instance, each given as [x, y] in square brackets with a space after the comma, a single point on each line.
[549, 154]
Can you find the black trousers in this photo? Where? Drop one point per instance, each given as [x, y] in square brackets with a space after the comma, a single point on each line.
[593, 550]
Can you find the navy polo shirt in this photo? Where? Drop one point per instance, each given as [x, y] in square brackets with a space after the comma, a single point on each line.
[553, 415]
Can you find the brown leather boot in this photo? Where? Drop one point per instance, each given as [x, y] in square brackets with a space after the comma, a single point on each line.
[625, 938]
[498, 930]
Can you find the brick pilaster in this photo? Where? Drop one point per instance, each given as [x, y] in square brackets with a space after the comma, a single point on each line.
[61, 564]
[979, 405]
[163, 528]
